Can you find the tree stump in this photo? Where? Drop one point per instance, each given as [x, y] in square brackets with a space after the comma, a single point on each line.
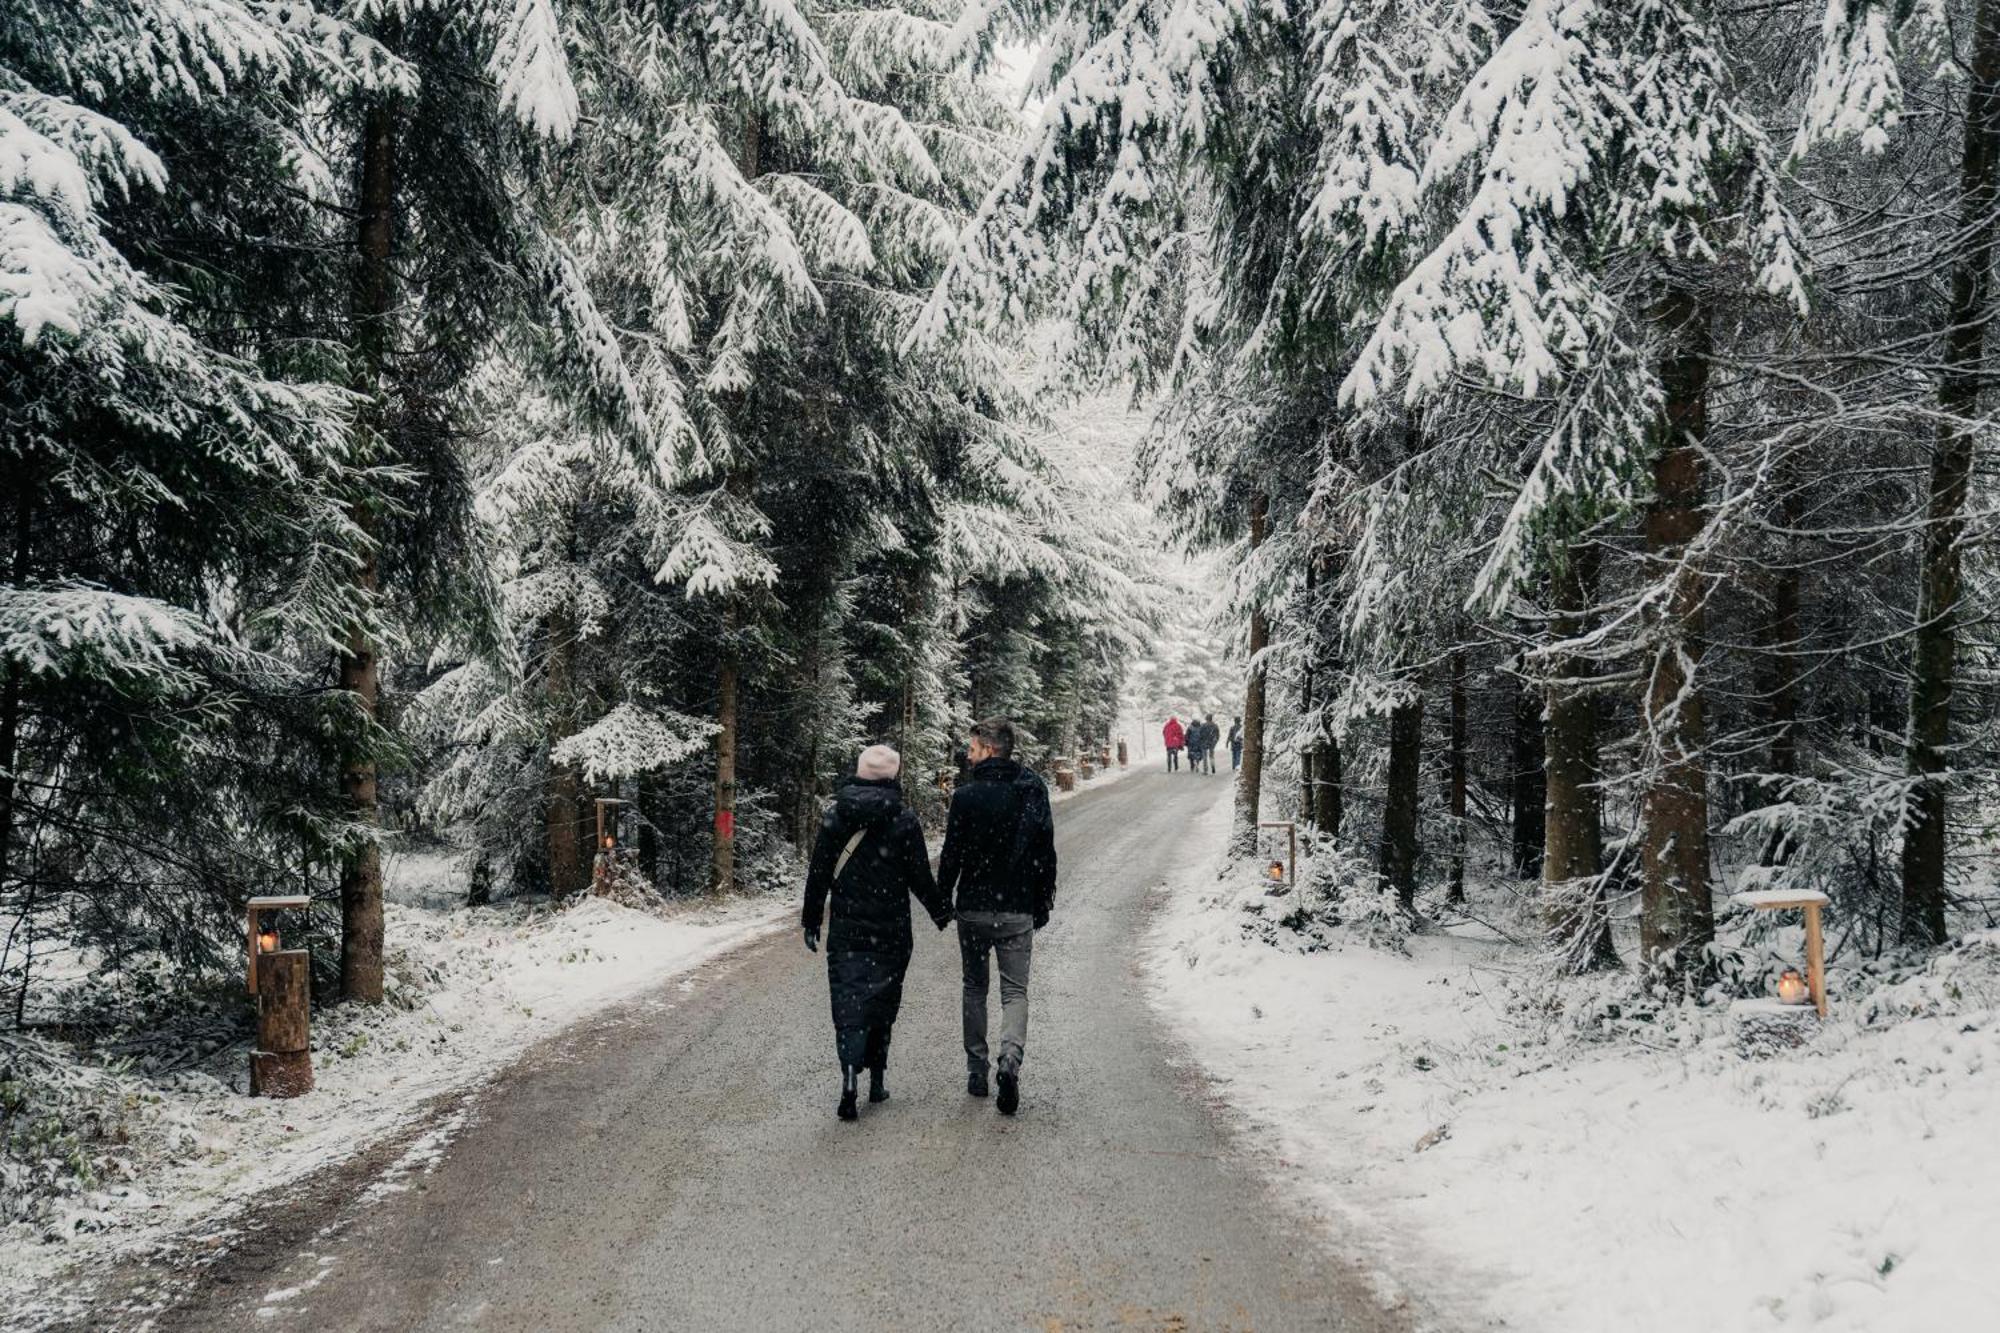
[1065, 779]
[281, 1066]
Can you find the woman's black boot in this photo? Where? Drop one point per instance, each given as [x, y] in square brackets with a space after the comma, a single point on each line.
[848, 1110]
[878, 1091]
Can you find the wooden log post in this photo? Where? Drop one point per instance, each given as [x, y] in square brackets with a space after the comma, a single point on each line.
[1124, 758]
[1815, 959]
[281, 1066]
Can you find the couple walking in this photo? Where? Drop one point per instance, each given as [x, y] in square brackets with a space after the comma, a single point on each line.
[996, 879]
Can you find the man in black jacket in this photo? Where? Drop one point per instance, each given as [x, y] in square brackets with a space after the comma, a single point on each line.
[871, 858]
[1000, 859]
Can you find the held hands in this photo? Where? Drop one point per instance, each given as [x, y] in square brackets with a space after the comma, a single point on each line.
[812, 940]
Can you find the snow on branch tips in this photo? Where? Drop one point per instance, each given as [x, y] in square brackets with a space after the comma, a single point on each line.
[533, 74]
[1856, 92]
[630, 740]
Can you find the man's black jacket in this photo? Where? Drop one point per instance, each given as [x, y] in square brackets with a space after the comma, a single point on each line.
[1000, 843]
[871, 899]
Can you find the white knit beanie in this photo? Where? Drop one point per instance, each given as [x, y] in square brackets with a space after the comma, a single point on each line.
[878, 761]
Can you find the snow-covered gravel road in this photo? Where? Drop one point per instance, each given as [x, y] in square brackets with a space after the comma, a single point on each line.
[677, 1165]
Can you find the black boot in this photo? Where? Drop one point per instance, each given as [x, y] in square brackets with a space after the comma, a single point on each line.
[1009, 1100]
[847, 1110]
[975, 1083]
[878, 1091]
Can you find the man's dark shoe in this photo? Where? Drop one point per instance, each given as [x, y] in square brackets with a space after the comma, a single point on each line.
[1009, 1100]
[975, 1083]
[878, 1091]
[848, 1111]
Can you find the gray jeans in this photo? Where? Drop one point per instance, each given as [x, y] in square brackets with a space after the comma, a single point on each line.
[1011, 935]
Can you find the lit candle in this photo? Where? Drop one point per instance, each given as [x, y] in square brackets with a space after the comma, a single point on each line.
[1792, 988]
[1277, 870]
[267, 940]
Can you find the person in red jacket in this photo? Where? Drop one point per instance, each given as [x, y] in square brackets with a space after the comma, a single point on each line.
[1175, 739]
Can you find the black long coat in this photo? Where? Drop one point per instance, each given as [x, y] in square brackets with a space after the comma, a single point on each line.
[868, 943]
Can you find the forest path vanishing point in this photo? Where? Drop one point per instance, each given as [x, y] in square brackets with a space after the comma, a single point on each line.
[679, 1167]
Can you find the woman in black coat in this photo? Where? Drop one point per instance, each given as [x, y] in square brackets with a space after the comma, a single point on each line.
[870, 858]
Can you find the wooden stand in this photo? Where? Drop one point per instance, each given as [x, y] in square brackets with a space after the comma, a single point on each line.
[1772, 900]
[281, 1066]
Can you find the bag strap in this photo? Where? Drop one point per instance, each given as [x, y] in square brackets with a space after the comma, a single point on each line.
[848, 851]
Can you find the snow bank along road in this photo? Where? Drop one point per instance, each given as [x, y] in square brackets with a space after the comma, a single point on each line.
[678, 1166]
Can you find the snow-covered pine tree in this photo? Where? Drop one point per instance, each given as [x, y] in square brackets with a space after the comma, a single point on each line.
[174, 455]
[451, 252]
[813, 503]
[1597, 136]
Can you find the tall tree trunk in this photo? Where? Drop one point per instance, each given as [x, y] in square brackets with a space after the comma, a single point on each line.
[722, 867]
[1327, 788]
[1250, 782]
[1934, 665]
[1529, 787]
[1678, 918]
[569, 867]
[1783, 690]
[1396, 857]
[1574, 917]
[645, 801]
[1308, 779]
[373, 311]
[728, 675]
[1308, 757]
[1455, 766]
[12, 689]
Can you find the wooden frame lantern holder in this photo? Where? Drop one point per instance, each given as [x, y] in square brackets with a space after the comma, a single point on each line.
[604, 851]
[1291, 847]
[281, 979]
[1809, 902]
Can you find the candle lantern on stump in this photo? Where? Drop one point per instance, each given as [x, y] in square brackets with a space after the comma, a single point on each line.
[281, 979]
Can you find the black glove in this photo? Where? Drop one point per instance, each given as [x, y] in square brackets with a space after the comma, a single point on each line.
[945, 920]
[812, 939]
[1041, 919]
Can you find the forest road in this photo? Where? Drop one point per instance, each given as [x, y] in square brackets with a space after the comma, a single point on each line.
[680, 1167]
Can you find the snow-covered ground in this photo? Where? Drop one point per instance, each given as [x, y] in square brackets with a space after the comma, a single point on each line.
[469, 990]
[1501, 1165]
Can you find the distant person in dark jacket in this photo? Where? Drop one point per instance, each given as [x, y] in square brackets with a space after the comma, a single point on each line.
[1235, 743]
[1211, 737]
[1175, 739]
[871, 860]
[999, 860]
[1195, 737]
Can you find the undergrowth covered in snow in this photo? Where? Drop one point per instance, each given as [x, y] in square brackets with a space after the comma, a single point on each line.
[1584, 1154]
